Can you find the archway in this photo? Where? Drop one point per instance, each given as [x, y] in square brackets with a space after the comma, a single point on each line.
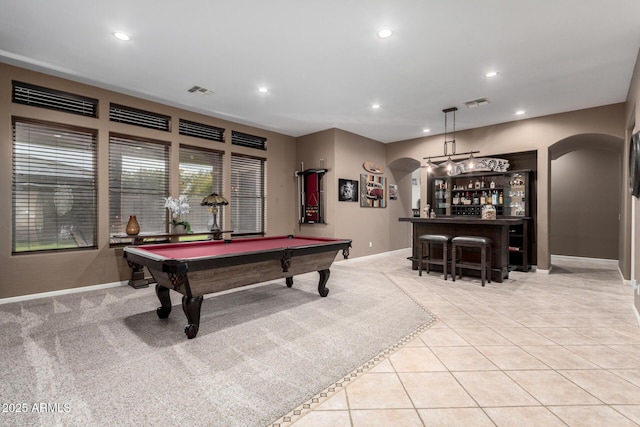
[585, 196]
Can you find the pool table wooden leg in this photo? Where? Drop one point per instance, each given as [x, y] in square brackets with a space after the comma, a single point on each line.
[324, 276]
[289, 281]
[191, 307]
[165, 302]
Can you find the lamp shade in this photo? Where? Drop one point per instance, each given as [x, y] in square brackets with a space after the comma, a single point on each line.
[449, 164]
[214, 199]
[430, 165]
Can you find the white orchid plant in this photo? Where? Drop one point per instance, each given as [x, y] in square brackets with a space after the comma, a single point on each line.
[178, 207]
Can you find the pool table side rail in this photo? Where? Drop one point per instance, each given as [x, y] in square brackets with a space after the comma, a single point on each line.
[150, 260]
[220, 279]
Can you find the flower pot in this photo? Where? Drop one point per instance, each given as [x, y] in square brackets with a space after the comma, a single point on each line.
[179, 229]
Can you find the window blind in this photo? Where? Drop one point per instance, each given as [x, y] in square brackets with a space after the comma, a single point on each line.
[246, 140]
[54, 187]
[38, 96]
[138, 183]
[247, 195]
[200, 130]
[136, 117]
[200, 175]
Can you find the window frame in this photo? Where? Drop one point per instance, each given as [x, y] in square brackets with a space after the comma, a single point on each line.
[151, 214]
[75, 228]
[198, 214]
[239, 203]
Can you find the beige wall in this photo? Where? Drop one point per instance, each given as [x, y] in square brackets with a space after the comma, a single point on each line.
[585, 206]
[343, 154]
[524, 135]
[317, 151]
[33, 273]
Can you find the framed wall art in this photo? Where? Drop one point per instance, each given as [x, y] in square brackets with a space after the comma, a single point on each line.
[393, 192]
[373, 191]
[347, 190]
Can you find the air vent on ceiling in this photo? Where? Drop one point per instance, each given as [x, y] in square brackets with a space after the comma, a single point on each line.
[199, 90]
[476, 103]
[38, 96]
[246, 140]
[133, 116]
[200, 130]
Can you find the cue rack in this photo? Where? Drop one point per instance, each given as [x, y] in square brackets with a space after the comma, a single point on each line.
[310, 195]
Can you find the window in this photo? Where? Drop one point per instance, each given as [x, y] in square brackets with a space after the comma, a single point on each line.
[246, 140]
[38, 96]
[200, 130]
[247, 195]
[200, 175]
[138, 183]
[136, 117]
[54, 187]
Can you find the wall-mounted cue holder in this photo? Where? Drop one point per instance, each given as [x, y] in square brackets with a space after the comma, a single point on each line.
[310, 195]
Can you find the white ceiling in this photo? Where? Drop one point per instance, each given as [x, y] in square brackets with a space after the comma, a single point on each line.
[324, 64]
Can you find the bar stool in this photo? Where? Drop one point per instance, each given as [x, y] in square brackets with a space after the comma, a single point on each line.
[484, 243]
[429, 240]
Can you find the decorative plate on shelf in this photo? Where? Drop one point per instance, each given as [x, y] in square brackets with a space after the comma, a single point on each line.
[373, 167]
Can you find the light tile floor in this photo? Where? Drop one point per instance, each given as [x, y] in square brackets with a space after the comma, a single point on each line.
[538, 349]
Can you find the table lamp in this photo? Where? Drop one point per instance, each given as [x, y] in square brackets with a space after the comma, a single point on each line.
[214, 200]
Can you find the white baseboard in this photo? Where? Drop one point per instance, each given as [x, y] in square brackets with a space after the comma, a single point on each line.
[607, 261]
[541, 271]
[61, 292]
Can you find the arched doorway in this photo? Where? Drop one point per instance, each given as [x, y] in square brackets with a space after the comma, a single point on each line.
[585, 196]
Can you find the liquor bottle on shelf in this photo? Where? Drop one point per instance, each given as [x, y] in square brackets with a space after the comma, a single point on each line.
[493, 184]
[494, 197]
[477, 183]
[476, 200]
[500, 198]
[470, 184]
[483, 198]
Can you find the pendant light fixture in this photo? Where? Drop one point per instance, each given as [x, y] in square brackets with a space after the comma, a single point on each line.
[450, 143]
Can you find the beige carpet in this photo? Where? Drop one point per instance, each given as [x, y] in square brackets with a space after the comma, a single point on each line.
[104, 358]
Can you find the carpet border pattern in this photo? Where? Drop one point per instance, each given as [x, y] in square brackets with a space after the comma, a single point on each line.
[340, 384]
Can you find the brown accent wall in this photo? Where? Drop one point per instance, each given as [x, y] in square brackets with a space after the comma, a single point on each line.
[34, 273]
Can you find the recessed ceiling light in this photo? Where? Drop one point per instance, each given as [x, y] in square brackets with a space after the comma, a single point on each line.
[385, 33]
[375, 106]
[121, 36]
[263, 89]
[426, 130]
[520, 112]
[491, 74]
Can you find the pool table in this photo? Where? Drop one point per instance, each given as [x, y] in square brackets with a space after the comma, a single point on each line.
[194, 269]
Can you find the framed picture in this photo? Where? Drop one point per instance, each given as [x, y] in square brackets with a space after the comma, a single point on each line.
[373, 191]
[347, 190]
[393, 192]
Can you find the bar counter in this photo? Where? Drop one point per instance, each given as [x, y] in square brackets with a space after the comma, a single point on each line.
[495, 229]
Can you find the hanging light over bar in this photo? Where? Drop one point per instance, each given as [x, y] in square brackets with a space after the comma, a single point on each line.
[450, 164]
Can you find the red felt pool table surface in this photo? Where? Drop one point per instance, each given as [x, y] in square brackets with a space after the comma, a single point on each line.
[207, 249]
